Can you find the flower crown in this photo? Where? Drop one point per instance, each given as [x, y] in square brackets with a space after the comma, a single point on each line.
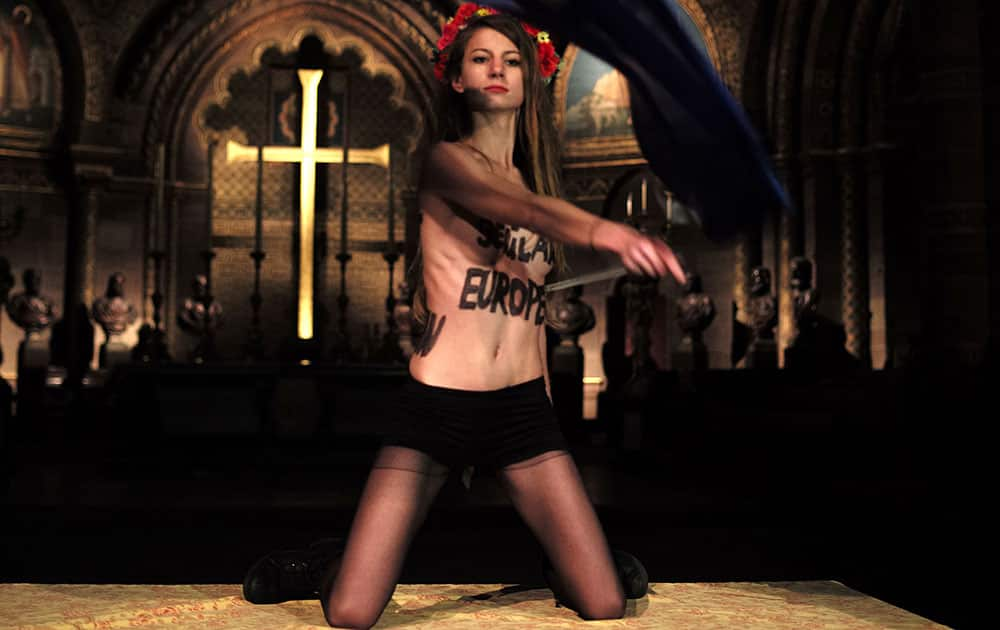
[548, 60]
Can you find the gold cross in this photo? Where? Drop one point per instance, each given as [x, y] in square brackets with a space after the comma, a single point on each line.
[307, 155]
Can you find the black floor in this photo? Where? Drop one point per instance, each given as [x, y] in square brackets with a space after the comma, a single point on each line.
[894, 510]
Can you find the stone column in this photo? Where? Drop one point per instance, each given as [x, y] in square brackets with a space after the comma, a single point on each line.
[952, 179]
[854, 258]
[990, 21]
[81, 260]
[746, 256]
[171, 282]
[789, 246]
[810, 194]
[6, 392]
[879, 324]
[93, 181]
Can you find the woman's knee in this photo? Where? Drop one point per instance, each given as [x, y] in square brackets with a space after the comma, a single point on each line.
[610, 608]
[348, 616]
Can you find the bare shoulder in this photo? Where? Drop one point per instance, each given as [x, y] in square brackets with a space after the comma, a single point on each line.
[443, 155]
[444, 161]
[449, 159]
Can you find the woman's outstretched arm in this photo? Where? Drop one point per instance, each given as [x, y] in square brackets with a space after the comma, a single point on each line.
[455, 176]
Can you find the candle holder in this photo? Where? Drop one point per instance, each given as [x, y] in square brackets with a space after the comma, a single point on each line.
[207, 256]
[152, 346]
[341, 350]
[158, 256]
[341, 347]
[389, 349]
[390, 256]
[343, 300]
[254, 348]
[668, 225]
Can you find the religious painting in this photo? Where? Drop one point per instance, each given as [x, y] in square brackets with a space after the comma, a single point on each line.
[593, 108]
[285, 109]
[29, 72]
[597, 100]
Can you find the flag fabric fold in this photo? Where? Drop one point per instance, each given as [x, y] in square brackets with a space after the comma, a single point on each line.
[694, 134]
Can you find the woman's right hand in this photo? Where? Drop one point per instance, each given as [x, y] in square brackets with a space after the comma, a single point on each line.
[640, 254]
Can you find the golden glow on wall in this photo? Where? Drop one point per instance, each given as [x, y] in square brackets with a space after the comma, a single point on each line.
[307, 155]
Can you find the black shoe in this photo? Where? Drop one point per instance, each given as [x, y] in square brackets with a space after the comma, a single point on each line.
[291, 574]
[631, 574]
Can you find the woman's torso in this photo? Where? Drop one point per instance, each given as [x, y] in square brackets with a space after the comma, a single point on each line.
[485, 296]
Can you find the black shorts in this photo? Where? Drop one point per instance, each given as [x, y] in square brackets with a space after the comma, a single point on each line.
[485, 429]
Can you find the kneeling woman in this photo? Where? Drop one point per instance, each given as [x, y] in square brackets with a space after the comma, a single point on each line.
[491, 230]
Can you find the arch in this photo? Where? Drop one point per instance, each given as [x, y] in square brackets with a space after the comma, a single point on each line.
[885, 47]
[162, 25]
[195, 62]
[333, 44]
[859, 49]
[759, 33]
[785, 75]
[205, 48]
[817, 120]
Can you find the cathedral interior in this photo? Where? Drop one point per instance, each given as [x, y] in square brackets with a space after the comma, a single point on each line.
[197, 338]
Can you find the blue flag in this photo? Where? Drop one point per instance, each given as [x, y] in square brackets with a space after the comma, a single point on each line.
[694, 134]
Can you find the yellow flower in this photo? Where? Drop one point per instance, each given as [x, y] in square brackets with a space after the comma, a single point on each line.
[483, 11]
[543, 37]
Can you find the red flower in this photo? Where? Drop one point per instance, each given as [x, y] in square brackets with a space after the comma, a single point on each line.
[453, 26]
[548, 60]
[466, 11]
[448, 34]
[440, 65]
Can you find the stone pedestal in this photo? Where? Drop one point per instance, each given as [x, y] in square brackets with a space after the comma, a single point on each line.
[566, 382]
[635, 406]
[32, 367]
[33, 354]
[572, 317]
[690, 355]
[113, 353]
[6, 398]
[763, 354]
[695, 312]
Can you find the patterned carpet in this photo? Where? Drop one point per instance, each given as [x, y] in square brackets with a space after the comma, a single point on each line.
[773, 605]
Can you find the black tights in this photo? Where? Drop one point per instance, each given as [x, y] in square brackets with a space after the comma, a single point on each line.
[546, 491]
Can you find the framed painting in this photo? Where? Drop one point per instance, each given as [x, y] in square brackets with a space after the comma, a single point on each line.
[30, 76]
[593, 112]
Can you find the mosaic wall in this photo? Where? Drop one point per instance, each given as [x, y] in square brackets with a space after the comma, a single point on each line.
[253, 116]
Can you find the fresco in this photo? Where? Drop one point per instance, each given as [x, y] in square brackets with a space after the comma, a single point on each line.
[597, 104]
[597, 101]
[29, 74]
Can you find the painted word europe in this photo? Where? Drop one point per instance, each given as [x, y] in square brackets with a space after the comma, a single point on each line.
[491, 289]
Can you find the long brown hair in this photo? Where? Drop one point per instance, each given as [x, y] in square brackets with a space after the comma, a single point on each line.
[536, 145]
